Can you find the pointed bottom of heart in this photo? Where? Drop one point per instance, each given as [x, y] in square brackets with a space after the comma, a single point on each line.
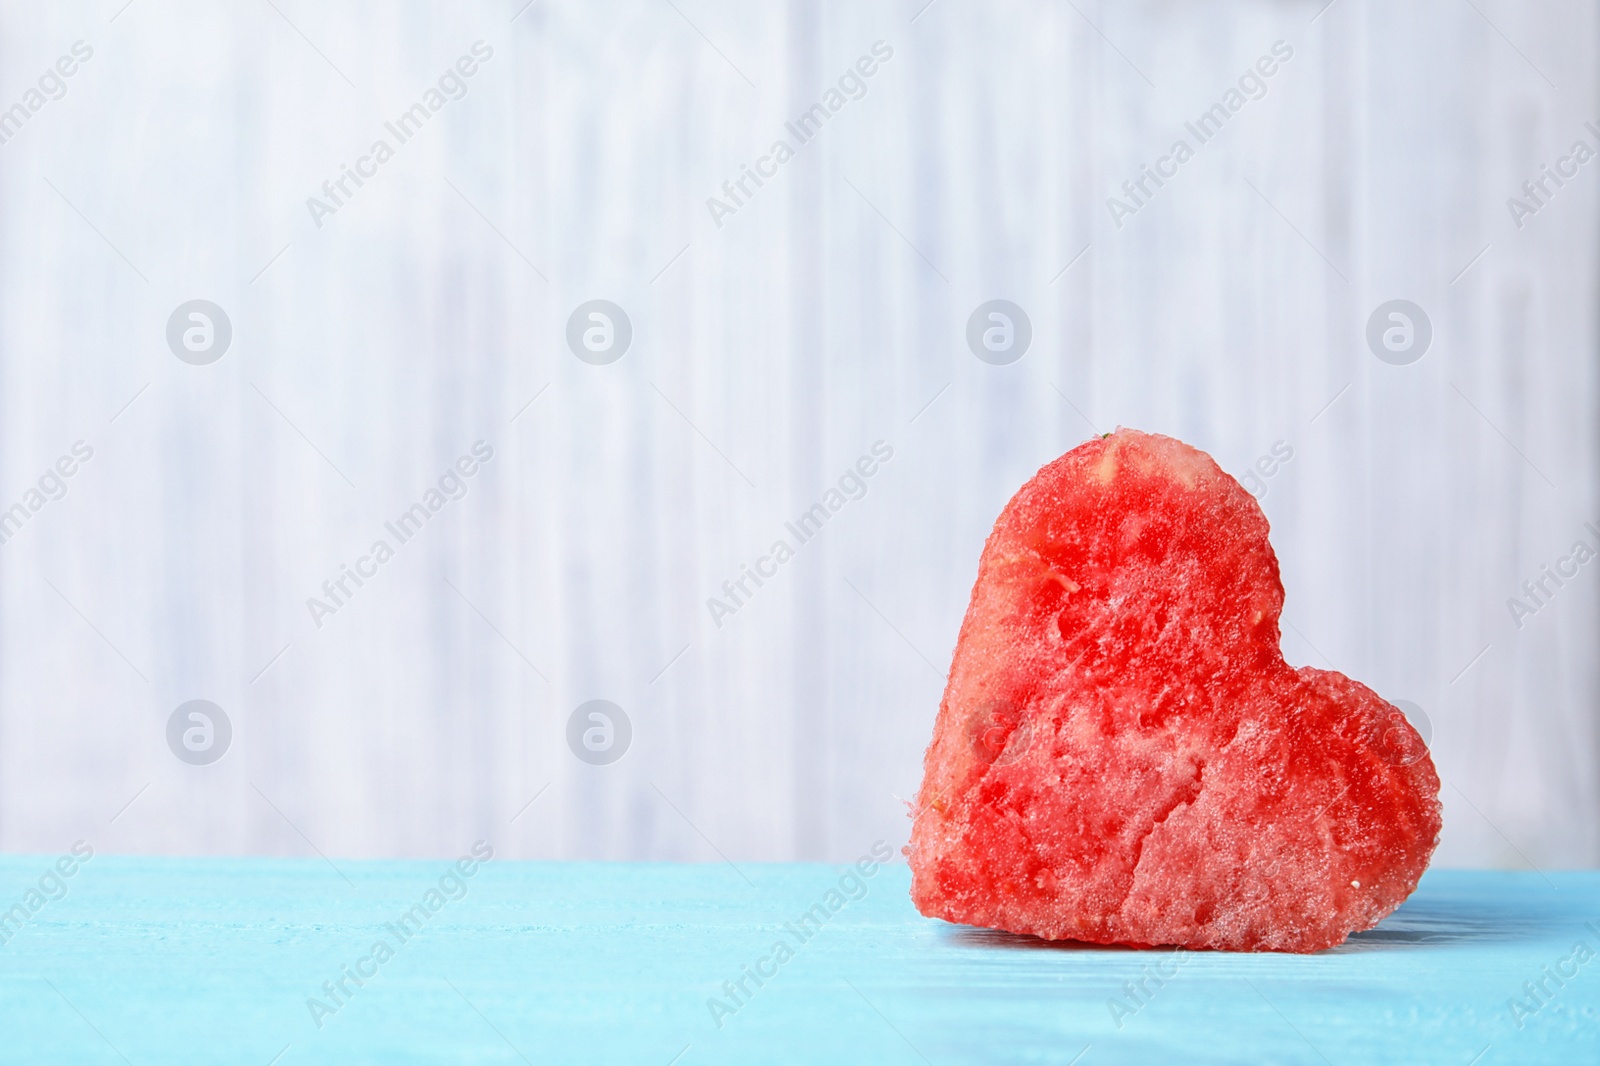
[1122, 754]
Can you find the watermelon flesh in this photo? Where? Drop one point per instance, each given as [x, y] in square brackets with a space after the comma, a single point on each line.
[1122, 755]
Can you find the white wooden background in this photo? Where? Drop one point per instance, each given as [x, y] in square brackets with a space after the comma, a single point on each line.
[768, 354]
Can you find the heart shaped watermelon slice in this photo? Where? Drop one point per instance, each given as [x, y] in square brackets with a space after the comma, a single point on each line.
[1122, 754]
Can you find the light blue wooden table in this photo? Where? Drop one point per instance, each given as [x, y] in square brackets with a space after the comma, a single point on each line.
[165, 961]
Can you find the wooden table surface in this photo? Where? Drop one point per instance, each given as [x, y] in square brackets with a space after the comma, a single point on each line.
[220, 960]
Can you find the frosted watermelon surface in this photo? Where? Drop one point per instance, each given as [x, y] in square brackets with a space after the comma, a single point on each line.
[1122, 755]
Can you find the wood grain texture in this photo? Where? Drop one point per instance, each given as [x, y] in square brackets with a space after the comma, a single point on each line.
[769, 353]
[194, 961]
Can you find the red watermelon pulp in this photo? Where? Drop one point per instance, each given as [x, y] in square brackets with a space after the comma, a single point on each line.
[1122, 754]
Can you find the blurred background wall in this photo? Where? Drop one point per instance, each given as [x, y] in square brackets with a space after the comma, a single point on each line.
[775, 337]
